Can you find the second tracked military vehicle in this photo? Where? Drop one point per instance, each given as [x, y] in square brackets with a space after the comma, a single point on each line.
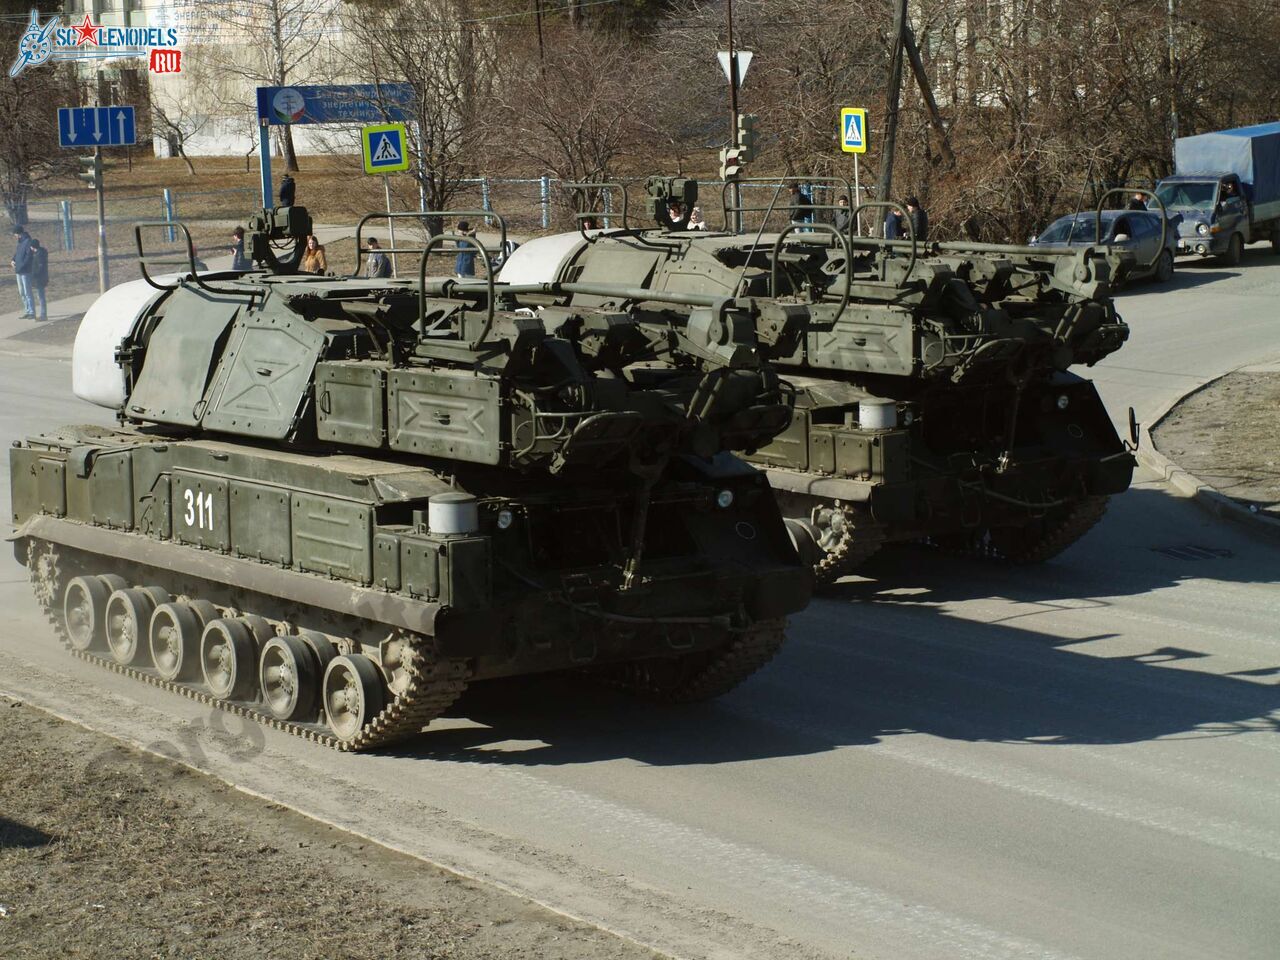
[331, 503]
[934, 393]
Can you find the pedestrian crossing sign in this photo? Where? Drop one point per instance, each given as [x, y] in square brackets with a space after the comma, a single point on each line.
[853, 130]
[384, 148]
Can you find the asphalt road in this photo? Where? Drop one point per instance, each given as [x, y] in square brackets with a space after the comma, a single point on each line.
[947, 761]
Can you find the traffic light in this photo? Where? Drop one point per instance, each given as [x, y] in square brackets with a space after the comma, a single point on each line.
[90, 171]
[730, 163]
[747, 137]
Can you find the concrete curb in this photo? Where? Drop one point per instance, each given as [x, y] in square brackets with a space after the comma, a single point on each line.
[1189, 485]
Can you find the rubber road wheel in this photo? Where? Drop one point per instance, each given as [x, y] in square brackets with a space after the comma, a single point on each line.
[84, 608]
[1164, 269]
[352, 695]
[229, 659]
[1235, 251]
[128, 623]
[289, 678]
[175, 641]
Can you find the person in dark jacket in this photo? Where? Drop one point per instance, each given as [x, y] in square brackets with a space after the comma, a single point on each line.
[39, 277]
[892, 225]
[21, 264]
[1137, 202]
[842, 215]
[919, 219]
[801, 209]
[287, 188]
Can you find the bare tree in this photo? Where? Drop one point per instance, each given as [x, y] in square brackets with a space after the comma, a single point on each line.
[29, 151]
[438, 48]
[273, 43]
[591, 108]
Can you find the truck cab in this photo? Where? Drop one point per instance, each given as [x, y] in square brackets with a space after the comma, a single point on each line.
[1215, 214]
[1226, 185]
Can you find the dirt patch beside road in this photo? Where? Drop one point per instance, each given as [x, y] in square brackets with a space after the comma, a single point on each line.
[108, 852]
[1228, 435]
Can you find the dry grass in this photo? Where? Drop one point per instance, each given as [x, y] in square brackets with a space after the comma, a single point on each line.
[105, 852]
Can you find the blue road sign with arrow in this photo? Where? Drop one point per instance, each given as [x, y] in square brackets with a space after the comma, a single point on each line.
[82, 127]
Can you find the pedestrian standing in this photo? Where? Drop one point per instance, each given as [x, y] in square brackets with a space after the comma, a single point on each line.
[238, 260]
[377, 265]
[465, 263]
[1137, 202]
[842, 216]
[892, 225]
[801, 209]
[313, 258]
[21, 264]
[39, 277]
[287, 190]
[919, 219]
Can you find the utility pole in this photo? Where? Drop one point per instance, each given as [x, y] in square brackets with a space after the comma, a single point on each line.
[104, 271]
[735, 223]
[1173, 82]
[894, 94]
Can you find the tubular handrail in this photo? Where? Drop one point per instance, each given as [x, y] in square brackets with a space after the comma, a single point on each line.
[582, 186]
[160, 260]
[421, 215]
[822, 228]
[881, 242]
[438, 241]
[728, 208]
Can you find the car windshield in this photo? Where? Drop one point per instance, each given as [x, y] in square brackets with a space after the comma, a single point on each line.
[1057, 231]
[1198, 195]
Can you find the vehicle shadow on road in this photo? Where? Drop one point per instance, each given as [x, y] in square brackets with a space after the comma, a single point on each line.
[1183, 279]
[882, 656]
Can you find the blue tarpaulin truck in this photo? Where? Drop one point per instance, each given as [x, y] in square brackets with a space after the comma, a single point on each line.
[1226, 185]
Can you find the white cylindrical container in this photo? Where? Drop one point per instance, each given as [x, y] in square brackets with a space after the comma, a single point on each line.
[875, 414]
[452, 515]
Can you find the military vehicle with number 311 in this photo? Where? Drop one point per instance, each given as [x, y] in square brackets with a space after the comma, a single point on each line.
[331, 503]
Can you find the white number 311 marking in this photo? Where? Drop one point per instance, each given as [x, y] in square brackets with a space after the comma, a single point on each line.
[199, 510]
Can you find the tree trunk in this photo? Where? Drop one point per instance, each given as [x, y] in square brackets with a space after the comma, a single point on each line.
[286, 147]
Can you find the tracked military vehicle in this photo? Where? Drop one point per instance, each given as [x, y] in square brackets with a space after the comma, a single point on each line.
[331, 503]
[934, 398]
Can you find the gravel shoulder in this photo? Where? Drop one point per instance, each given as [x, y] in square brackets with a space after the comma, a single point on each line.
[109, 852]
[1228, 435]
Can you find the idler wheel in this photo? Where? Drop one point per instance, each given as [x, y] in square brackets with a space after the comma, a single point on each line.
[352, 695]
[289, 677]
[84, 608]
[175, 641]
[128, 620]
[228, 659]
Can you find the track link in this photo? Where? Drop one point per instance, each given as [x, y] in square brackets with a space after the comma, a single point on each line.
[1042, 541]
[703, 675]
[428, 687]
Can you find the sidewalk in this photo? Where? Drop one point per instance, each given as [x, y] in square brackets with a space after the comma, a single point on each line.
[1210, 434]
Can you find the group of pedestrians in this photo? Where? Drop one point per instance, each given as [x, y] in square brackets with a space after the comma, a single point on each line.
[31, 268]
[801, 210]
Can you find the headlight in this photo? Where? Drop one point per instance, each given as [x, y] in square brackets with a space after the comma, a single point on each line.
[724, 499]
[505, 519]
[1063, 401]
[1202, 228]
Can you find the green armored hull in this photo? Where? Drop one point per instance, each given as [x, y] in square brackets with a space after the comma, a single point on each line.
[933, 392]
[331, 504]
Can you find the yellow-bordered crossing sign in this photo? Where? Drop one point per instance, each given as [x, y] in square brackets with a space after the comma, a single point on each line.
[853, 130]
[385, 148]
